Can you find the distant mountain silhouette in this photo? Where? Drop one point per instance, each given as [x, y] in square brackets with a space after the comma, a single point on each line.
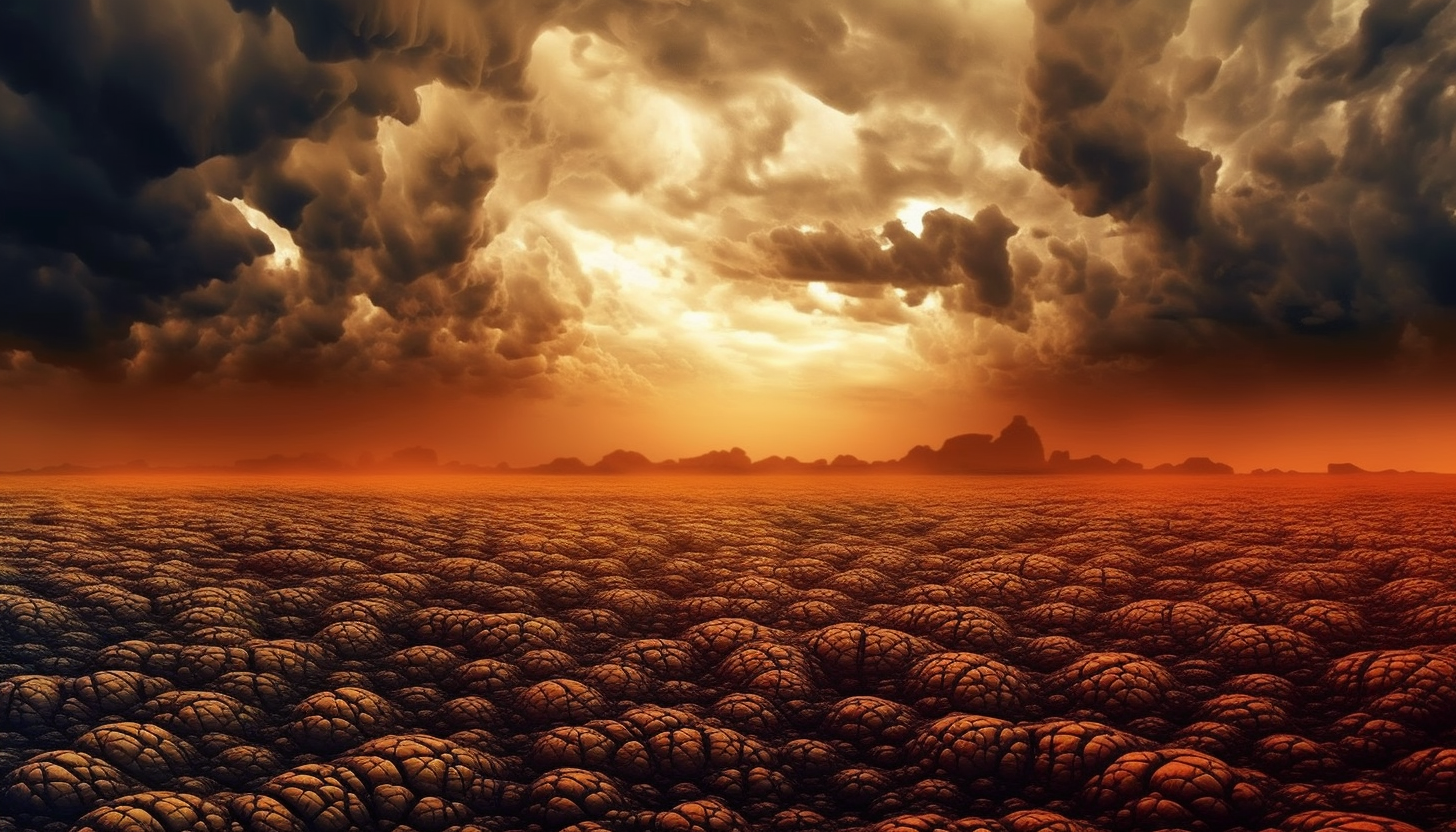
[412, 460]
[1351, 468]
[1061, 462]
[1194, 465]
[417, 458]
[734, 461]
[301, 464]
[623, 462]
[789, 465]
[66, 468]
[562, 465]
[1017, 449]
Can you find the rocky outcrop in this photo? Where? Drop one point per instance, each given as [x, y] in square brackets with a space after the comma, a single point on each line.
[1018, 450]
[1061, 462]
[734, 461]
[562, 465]
[623, 462]
[1194, 465]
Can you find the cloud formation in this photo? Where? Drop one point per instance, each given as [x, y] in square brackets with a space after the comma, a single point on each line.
[545, 196]
[968, 256]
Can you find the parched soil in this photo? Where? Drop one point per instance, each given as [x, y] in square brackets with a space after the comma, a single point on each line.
[666, 655]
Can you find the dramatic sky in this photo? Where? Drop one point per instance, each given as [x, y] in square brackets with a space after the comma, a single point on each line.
[516, 229]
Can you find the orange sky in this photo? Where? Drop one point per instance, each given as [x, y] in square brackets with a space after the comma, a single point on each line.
[522, 230]
[1303, 433]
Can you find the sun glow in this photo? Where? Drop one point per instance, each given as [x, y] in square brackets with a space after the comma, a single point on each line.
[912, 212]
[285, 251]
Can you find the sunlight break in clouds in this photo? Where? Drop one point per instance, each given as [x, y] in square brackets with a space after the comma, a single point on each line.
[1053, 205]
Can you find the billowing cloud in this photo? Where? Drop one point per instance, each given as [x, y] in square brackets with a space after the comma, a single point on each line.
[1288, 237]
[628, 195]
[968, 255]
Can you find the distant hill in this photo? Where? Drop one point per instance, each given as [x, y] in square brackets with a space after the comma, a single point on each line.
[417, 458]
[1351, 468]
[623, 462]
[301, 464]
[1194, 465]
[1061, 462]
[1017, 449]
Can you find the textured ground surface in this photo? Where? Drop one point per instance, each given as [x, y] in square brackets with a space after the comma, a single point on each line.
[899, 654]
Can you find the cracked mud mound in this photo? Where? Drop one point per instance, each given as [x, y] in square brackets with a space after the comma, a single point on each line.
[916, 654]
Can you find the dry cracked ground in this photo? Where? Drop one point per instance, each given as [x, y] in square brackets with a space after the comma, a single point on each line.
[927, 655]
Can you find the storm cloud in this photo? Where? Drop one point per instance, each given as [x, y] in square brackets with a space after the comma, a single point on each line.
[951, 251]
[1325, 219]
[520, 195]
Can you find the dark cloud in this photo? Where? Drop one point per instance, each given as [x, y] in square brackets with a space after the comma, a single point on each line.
[84, 256]
[1384, 25]
[463, 43]
[152, 115]
[108, 107]
[1329, 234]
[128, 124]
[1098, 125]
[973, 249]
[1076, 273]
[1294, 168]
[950, 251]
[1203, 177]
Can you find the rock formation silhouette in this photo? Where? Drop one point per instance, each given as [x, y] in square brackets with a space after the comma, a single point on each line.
[310, 463]
[1018, 450]
[1061, 462]
[1194, 465]
[623, 462]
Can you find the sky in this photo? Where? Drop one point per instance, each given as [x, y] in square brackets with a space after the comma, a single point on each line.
[513, 230]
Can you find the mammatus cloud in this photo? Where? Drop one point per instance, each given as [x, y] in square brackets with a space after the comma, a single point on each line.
[627, 193]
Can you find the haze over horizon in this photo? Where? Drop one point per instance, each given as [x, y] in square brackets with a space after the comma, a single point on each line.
[519, 230]
[1028, 453]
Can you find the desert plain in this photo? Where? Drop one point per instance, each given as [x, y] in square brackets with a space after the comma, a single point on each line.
[666, 654]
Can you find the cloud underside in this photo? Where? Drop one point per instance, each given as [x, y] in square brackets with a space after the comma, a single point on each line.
[525, 196]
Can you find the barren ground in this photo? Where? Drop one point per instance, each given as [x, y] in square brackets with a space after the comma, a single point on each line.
[674, 654]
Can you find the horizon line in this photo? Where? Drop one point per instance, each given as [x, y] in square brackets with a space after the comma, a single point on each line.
[1017, 450]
